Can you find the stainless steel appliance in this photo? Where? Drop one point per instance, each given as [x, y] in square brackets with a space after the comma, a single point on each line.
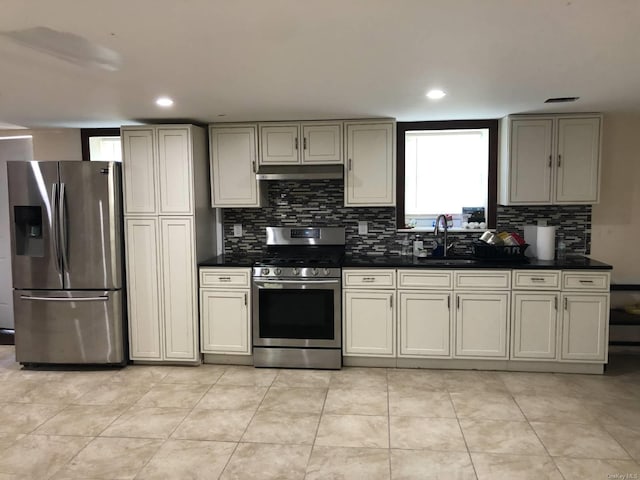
[297, 306]
[66, 245]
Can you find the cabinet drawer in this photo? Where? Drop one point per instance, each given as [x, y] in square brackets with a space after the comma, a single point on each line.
[536, 279]
[482, 280]
[585, 280]
[369, 278]
[431, 279]
[227, 277]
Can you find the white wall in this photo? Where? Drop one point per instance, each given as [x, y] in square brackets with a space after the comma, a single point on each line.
[616, 220]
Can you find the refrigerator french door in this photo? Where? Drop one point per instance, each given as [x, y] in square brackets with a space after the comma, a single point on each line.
[66, 240]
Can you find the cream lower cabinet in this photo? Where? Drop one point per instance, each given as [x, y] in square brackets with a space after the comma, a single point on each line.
[424, 313]
[225, 306]
[535, 310]
[424, 328]
[481, 324]
[162, 311]
[585, 316]
[482, 313]
[534, 332]
[145, 333]
[369, 313]
[585, 320]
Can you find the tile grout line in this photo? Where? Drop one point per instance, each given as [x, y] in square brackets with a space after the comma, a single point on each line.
[248, 423]
[464, 438]
[536, 434]
[315, 437]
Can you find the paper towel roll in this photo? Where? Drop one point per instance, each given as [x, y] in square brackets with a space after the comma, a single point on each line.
[546, 243]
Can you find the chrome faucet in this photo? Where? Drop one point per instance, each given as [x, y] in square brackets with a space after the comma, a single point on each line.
[445, 230]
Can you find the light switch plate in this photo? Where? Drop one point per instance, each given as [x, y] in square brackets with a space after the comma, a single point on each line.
[363, 228]
[237, 229]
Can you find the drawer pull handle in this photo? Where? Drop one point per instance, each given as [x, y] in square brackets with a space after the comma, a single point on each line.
[391, 302]
[586, 281]
[224, 279]
[537, 279]
[555, 303]
[566, 304]
[368, 279]
[448, 302]
[458, 303]
[245, 299]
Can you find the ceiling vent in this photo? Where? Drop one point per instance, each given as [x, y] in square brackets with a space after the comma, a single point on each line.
[561, 99]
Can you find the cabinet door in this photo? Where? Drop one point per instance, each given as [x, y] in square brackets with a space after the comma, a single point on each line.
[530, 161]
[178, 289]
[322, 143]
[425, 324]
[225, 321]
[143, 281]
[481, 324]
[578, 162]
[585, 320]
[233, 167]
[175, 171]
[369, 323]
[139, 172]
[370, 170]
[535, 325]
[279, 145]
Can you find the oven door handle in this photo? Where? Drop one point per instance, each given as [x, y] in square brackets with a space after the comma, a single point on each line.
[299, 282]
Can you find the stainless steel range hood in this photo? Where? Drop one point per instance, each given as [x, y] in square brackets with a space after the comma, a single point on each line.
[300, 172]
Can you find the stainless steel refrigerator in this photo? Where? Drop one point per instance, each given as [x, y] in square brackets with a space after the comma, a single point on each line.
[66, 246]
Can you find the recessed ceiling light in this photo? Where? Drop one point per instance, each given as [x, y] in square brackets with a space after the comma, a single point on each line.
[435, 94]
[164, 102]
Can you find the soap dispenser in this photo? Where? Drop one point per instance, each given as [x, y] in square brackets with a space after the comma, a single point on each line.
[418, 247]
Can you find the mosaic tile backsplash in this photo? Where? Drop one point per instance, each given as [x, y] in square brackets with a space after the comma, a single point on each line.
[321, 203]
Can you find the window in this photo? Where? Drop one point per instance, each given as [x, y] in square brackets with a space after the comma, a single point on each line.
[446, 167]
[101, 144]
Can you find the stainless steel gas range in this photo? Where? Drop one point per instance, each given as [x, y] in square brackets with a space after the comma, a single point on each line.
[297, 308]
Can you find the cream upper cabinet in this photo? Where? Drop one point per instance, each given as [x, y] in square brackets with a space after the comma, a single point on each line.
[139, 171]
[322, 142]
[233, 154]
[552, 159]
[370, 176]
[157, 170]
[292, 143]
[578, 160]
[280, 144]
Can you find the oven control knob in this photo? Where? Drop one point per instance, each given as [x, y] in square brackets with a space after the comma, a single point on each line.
[326, 272]
[277, 271]
[265, 271]
[314, 272]
[295, 271]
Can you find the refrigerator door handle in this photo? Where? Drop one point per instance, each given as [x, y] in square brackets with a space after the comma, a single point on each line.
[55, 227]
[62, 216]
[100, 298]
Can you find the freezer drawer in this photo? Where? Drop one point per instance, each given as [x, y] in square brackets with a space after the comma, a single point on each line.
[69, 327]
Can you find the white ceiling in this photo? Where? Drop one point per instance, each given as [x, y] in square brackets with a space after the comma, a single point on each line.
[314, 59]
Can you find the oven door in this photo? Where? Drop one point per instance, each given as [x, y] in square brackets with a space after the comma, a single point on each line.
[297, 313]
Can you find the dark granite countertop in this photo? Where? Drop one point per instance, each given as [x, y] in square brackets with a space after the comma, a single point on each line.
[397, 261]
[232, 260]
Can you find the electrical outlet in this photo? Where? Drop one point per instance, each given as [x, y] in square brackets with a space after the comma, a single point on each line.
[237, 229]
[363, 228]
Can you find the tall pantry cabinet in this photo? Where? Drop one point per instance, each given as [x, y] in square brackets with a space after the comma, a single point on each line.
[169, 228]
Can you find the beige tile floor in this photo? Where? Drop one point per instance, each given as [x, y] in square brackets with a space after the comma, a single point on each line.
[227, 422]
